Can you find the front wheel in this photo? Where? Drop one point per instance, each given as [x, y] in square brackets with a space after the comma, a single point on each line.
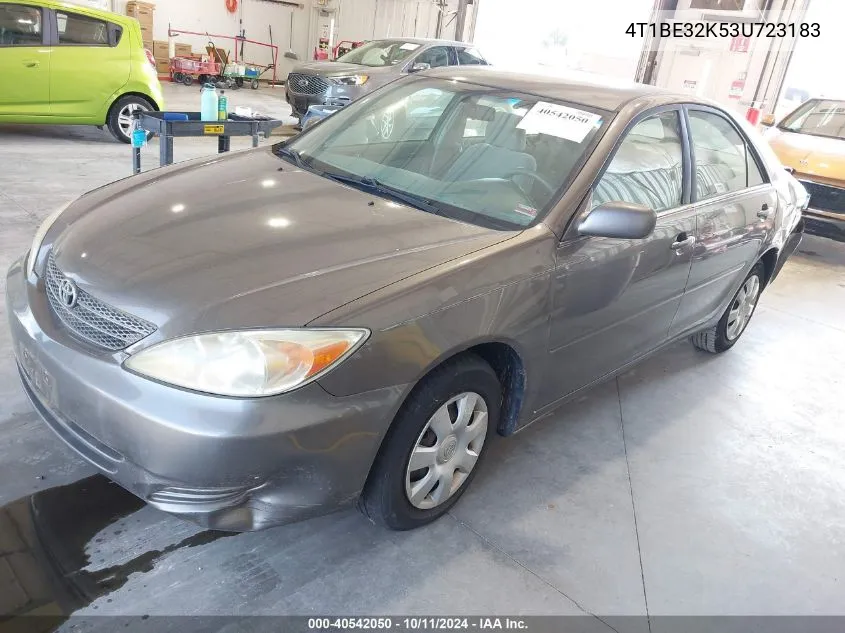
[121, 116]
[434, 446]
[730, 327]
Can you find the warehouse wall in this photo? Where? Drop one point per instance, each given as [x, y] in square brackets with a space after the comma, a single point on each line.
[354, 20]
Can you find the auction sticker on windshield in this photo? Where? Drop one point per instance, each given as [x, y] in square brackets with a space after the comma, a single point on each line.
[561, 121]
[409, 46]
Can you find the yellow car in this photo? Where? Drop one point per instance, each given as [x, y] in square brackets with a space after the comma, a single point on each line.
[810, 142]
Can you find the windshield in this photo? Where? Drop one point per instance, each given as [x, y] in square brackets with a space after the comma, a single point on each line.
[477, 154]
[380, 53]
[818, 117]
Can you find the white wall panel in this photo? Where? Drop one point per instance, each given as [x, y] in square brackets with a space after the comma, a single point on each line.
[355, 20]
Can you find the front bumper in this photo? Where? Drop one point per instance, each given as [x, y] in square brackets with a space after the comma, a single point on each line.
[225, 463]
[826, 214]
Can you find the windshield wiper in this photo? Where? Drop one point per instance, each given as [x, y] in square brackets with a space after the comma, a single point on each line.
[293, 155]
[368, 182]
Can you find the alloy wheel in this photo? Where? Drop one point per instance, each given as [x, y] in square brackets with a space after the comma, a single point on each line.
[125, 116]
[446, 451]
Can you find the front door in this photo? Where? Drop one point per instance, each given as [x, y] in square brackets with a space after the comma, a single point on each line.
[735, 205]
[614, 299]
[24, 60]
[91, 62]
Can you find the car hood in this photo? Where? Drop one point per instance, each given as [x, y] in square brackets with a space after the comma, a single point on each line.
[337, 69]
[247, 240]
[813, 157]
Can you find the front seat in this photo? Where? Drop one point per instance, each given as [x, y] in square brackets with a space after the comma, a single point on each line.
[500, 155]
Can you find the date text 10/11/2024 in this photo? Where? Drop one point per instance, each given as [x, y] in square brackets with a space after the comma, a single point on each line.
[418, 624]
[724, 29]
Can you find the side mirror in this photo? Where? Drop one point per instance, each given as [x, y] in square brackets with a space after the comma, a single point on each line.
[768, 120]
[420, 66]
[619, 220]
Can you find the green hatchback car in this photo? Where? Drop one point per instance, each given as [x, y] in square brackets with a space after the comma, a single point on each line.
[72, 65]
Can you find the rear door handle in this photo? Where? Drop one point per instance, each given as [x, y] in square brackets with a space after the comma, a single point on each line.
[682, 241]
[765, 212]
[31, 63]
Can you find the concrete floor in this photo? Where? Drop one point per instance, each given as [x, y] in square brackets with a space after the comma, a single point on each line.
[693, 484]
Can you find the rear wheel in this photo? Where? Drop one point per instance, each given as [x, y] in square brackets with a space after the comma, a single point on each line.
[730, 327]
[121, 116]
[434, 446]
[254, 84]
[187, 80]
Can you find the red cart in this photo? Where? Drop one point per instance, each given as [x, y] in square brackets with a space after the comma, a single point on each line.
[185, 70]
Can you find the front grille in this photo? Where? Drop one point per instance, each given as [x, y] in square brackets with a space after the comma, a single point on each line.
[307, 84]
[92, 320]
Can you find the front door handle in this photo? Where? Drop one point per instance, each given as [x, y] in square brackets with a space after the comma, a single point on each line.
[32, 63]
[682, 241]
[765, 212]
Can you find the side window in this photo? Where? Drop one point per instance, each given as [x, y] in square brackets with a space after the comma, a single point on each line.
[20, 25]
[80, 30]
[470, 56]
[755, 177]
[722, 160]
[434, 57]
[647, 168]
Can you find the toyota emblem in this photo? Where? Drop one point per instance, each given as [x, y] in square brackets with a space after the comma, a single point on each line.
[68, 294]
[303, 83]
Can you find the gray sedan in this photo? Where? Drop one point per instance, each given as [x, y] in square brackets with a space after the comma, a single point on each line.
[348, 319]
[371, 66]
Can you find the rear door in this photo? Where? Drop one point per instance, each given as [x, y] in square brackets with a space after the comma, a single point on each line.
[614, 299]
[91, 62]
[24, 61]
[735, 209]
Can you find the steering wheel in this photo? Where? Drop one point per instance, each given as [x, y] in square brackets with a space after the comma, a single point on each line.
[509, 179]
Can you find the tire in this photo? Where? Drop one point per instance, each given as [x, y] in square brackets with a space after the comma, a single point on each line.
[117, 121]
[187, 80]
[239, 82]
[178, 77]
[386, 499]
[254, 84]
[724, 335]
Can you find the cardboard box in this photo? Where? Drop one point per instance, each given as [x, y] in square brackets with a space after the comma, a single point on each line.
[141, 11]
[147, 33]
[184, 50]
[163, 67]
[148, 44]
[161, 50]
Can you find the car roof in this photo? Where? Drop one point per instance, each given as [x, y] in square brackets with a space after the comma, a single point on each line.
[601, 92]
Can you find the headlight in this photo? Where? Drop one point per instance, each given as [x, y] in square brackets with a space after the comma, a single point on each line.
[249, 363]
[352, 80]
[39, 238]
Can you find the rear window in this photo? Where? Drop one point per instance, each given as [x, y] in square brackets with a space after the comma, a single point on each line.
[81, 30]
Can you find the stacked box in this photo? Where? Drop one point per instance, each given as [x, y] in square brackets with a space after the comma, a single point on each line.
[143, 12]
[161, 51]
[184, 50]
